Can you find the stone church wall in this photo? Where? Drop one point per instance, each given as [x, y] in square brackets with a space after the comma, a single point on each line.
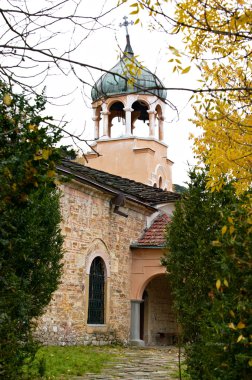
[91, 228]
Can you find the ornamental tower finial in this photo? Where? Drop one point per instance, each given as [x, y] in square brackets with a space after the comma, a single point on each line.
[128, 49]
[126, 23]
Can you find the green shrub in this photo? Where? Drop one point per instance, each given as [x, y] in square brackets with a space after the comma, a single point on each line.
[30, 237]
[209, 264]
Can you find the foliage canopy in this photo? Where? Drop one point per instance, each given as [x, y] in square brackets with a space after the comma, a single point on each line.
[30, 237]
[217, 37]
[209, 245]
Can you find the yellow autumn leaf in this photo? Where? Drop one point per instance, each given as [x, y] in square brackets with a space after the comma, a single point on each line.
[45, 154]
[232, 313]
[241, 325]
[32, 127]
[230, 220]
[7, 99]
[225, 282]
[250, 362]
[241, 337]
[224, 230]
[51, 173]
[231, 230]
[134, 12]
[186, 70]
[38, 155]
[218, 284]
[231, 326]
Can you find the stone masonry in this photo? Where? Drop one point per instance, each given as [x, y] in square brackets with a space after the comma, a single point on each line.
[91, 229]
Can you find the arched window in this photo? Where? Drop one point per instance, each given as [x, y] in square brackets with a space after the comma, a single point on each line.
[96, 292]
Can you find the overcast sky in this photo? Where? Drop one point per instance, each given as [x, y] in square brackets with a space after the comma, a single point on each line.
[101, 48]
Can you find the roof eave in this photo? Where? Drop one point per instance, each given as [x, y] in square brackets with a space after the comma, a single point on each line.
[137, 246]
[106, 189]
[156, 204]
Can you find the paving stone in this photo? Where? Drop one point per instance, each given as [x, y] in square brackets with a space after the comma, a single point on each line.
[158, 363]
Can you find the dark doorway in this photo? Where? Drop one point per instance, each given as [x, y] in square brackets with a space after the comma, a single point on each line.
[142, 308]
[161, 329]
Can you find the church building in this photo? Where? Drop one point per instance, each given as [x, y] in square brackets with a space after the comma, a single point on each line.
[115, 208]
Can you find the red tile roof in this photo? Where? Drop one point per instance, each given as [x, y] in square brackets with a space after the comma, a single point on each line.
[154, 236]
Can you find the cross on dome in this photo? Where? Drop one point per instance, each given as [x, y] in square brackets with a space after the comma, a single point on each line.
[128, 49]
[126, 23]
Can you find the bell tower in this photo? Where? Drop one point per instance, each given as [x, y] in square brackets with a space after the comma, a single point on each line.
[129, 94]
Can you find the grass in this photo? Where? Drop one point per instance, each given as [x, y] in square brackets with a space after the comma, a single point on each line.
[55, 362]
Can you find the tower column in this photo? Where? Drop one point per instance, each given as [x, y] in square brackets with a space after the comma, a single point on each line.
[152, 119]
[105, 115]
[128, 120]
[161, 128]
[96, 120]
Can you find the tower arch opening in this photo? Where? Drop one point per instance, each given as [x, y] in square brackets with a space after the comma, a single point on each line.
[116, 119]
[140, 118]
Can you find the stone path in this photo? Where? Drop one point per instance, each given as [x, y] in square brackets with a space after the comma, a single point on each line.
[139, 364]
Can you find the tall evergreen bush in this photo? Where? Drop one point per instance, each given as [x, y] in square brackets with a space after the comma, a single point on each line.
[209, 264]
[30, 237]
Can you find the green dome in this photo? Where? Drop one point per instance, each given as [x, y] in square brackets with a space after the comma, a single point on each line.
[144, 82]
